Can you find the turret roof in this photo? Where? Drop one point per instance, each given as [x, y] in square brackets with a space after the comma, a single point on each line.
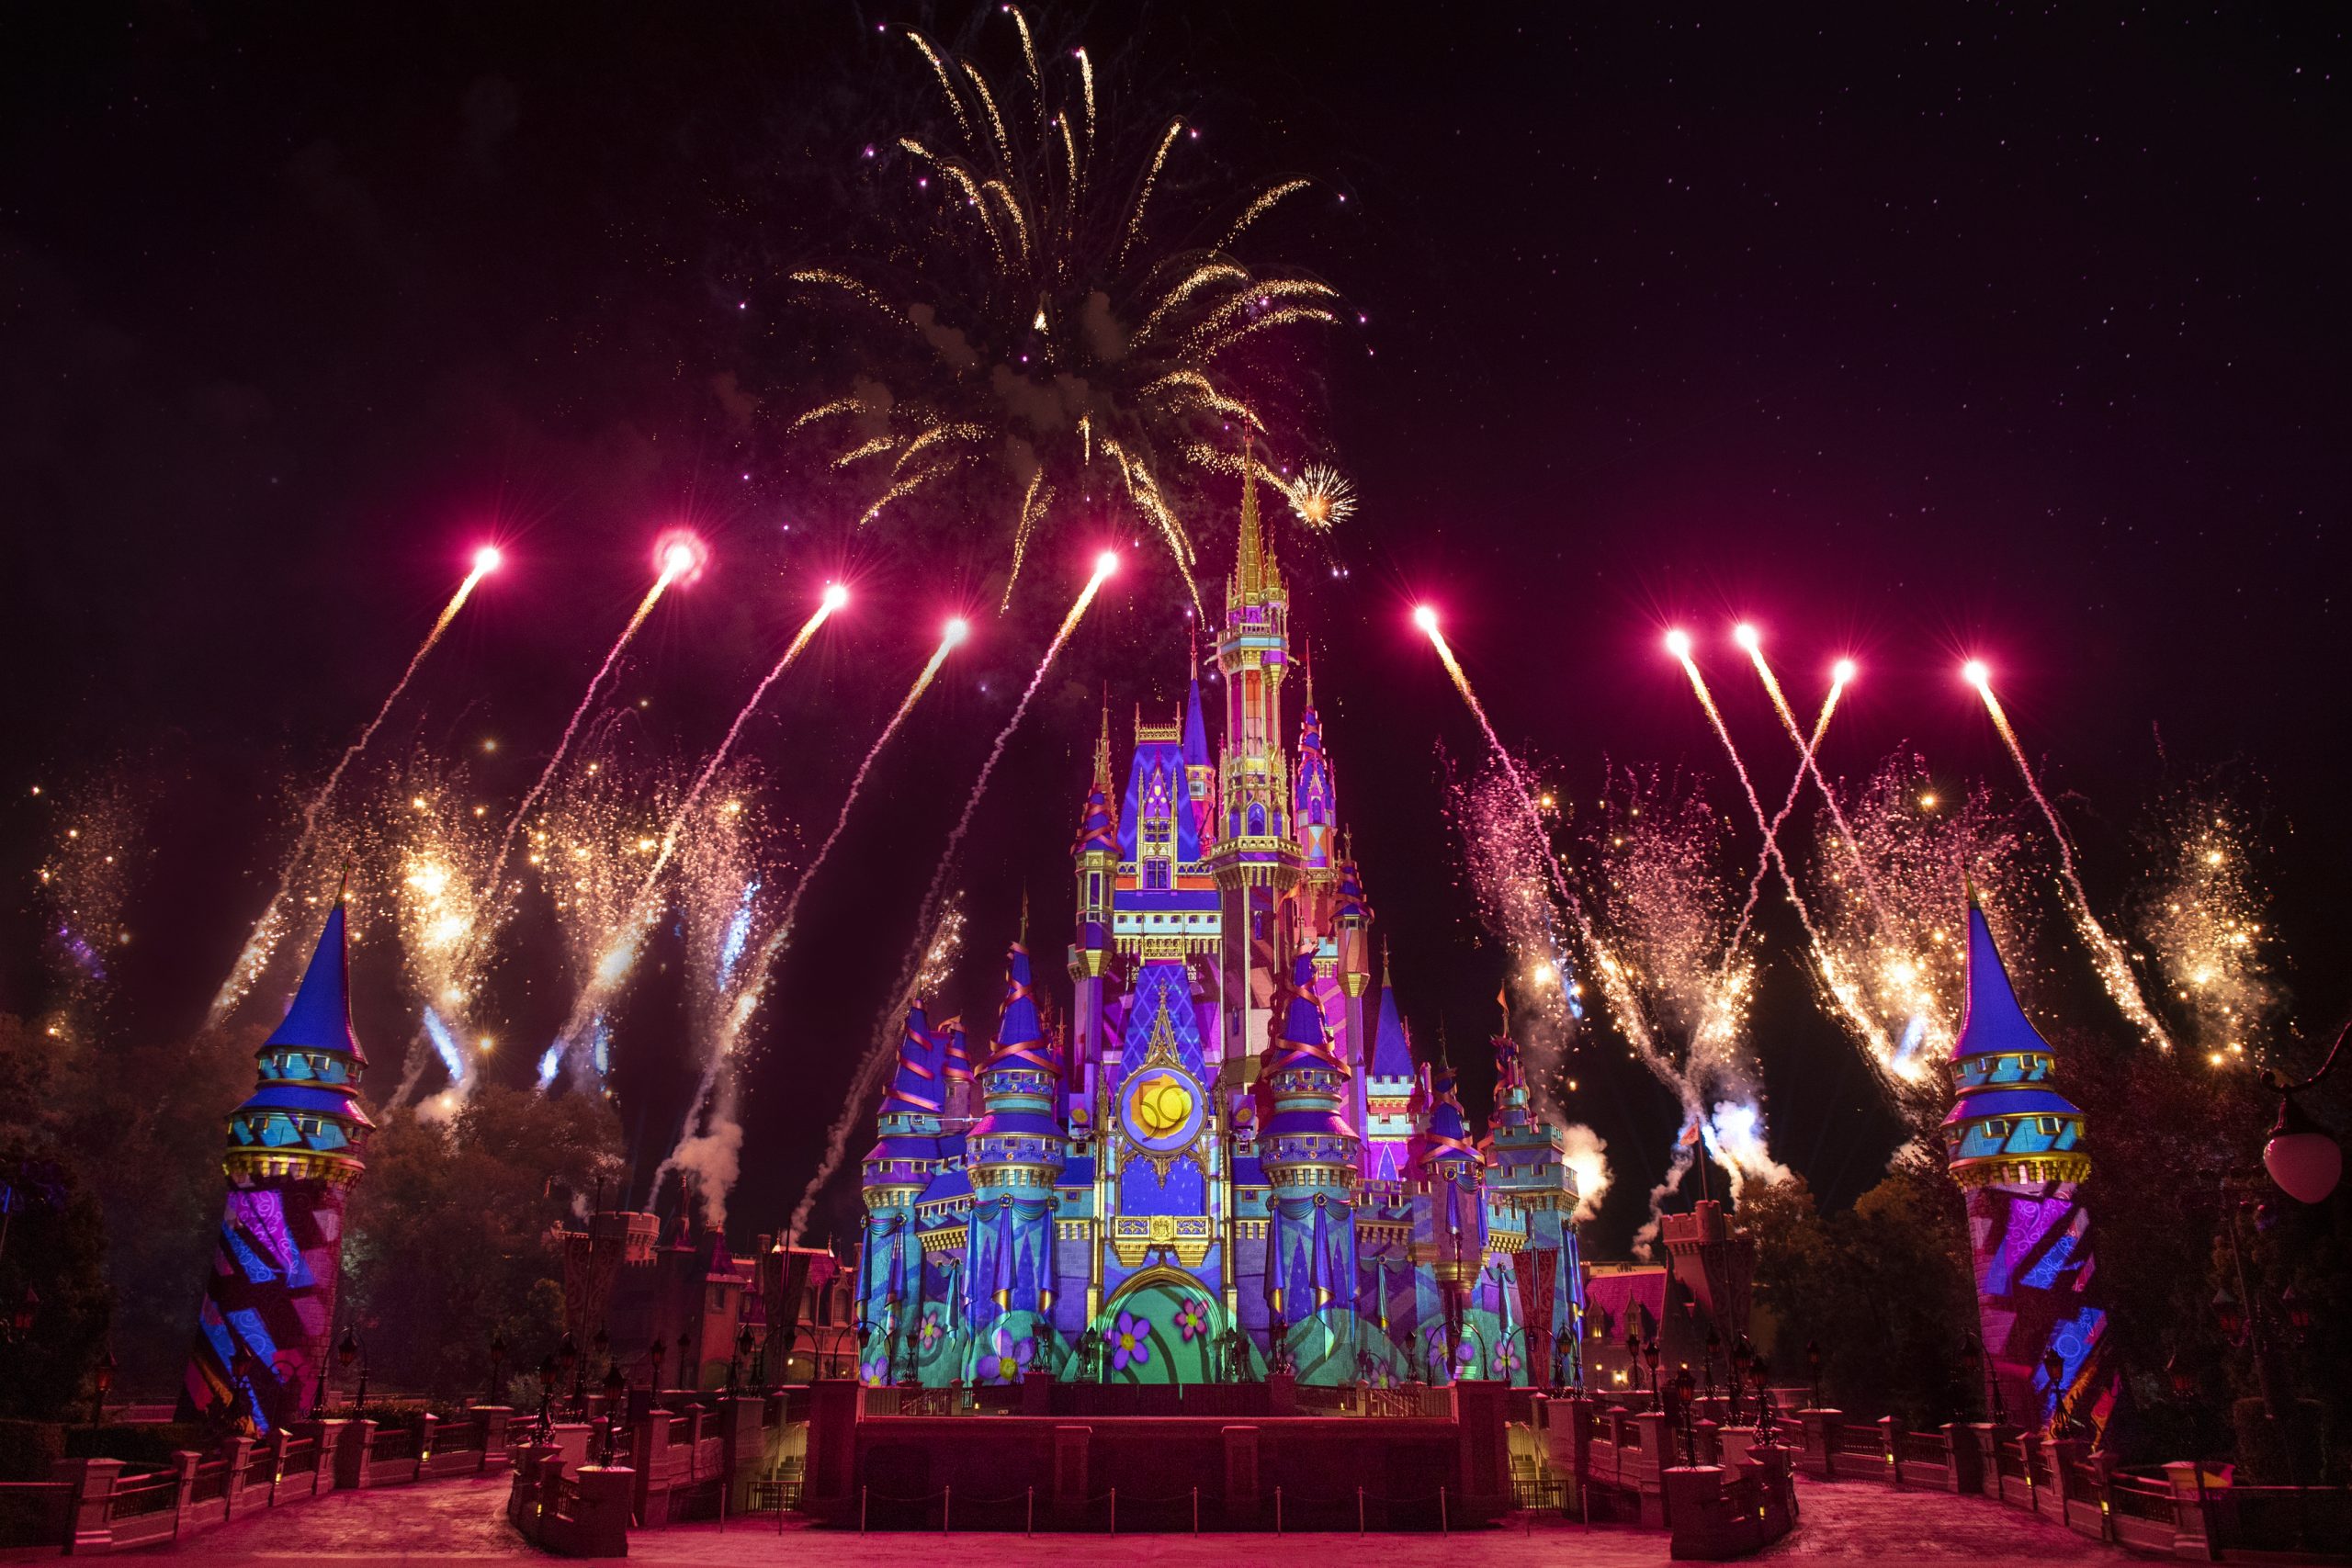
[320, 1018]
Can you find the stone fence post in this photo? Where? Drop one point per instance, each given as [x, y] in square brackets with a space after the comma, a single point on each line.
[184, 1463]
[492, 1421]
[354, 1449]
[1822, 1430]
[94, 1482]
[1890, 1442]
[237, 1453]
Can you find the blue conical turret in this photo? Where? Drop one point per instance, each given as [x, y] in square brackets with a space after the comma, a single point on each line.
[2006, 1124]
[303, 1118]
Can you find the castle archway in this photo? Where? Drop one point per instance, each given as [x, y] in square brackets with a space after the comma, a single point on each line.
[1162, 1326]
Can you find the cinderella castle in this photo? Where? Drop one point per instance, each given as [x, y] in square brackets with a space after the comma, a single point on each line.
[1219, 1159]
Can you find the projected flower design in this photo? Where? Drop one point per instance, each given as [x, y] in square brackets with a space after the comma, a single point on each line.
[1130, 1342]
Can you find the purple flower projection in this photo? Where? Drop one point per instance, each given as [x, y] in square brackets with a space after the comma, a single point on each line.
[1008, 1358]
[875, 1371]
[1507, 1361]
[1130, 1342]
[934, 1329]
[1192, 1319]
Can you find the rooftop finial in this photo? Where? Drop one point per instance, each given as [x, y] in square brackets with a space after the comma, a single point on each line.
[1103, 743]
[1250, 561]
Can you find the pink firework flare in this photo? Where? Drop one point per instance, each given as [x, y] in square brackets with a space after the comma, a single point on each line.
[267, 930]
[609, 975]
[679, 555]
[2107, 955]
[878, 1053]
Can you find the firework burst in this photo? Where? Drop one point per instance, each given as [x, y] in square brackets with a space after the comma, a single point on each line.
[1889, 866]
[2202, 920]
[83, 883]
[590, 846]
[429, 850]
[1046, 323]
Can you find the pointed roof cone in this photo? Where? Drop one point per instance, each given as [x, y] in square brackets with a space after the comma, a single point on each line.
[320, 1018]
[1098, 825]
[1392, 1048]
[1019, 1033]
[1510, 1083]
[1351, 904]
[1196, 729]
[1992, 1023]
[956, 1054]
[1303, 1019]
[1448, 1129]
[915, 1087]
[2000, 1061]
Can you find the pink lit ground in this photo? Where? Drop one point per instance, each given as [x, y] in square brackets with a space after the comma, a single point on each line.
[463, 1521]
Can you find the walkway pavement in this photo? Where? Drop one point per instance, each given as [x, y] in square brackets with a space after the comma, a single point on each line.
[463, 1521]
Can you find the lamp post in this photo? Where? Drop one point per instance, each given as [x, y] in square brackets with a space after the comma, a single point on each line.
[1972, 1360]
[1743, 1360]
[101, 1379]
[742, 1354]
[655, 1354]
[1812, 1364]
[352, 1349]
[497, 1365]
[1649, 1355]
[2054, 1371]
[616, 1386]
[1715, 1343]
[567, 1360]
[547, 1397]
[1689, 1433]
[1762, 1374]
[2301, 1157]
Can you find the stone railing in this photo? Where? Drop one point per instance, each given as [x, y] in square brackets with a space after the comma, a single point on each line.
[2184, 1509]
[567, 1508]
[97, 1507]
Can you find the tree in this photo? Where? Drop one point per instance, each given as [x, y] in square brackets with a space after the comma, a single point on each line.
[53, 1255]
[446, 1239]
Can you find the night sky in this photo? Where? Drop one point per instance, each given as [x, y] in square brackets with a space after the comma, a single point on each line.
[1910, 333]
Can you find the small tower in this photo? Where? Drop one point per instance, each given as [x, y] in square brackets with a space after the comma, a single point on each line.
[1527, 1178]
[268, 1323]
[1092, 945]
[1308, 1151]
[1200, 770]
[901, 1164]
[2017, 1150]
[1314, 804]
[1015, 1153]
[1448, 1219]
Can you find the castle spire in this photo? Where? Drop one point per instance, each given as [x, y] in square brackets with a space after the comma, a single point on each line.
[1102, 742]
[1250, 559]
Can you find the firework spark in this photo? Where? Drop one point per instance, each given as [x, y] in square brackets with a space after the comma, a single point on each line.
[2202, 918]
[83, 884]
[2108, 956]
[429, 856]
[1887, 870]
[720, 872]
[1602, 964]
[590, 846]
[1045, 347]
[935, 957]
[271, 928]
[678, 557]
[614, 969]
[727, 1038]
[876, 1059]
[1320, 497]
[1842, 990]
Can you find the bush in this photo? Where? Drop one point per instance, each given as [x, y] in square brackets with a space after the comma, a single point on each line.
[147, 1445]
[2283, 1452]
[29, 1449]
